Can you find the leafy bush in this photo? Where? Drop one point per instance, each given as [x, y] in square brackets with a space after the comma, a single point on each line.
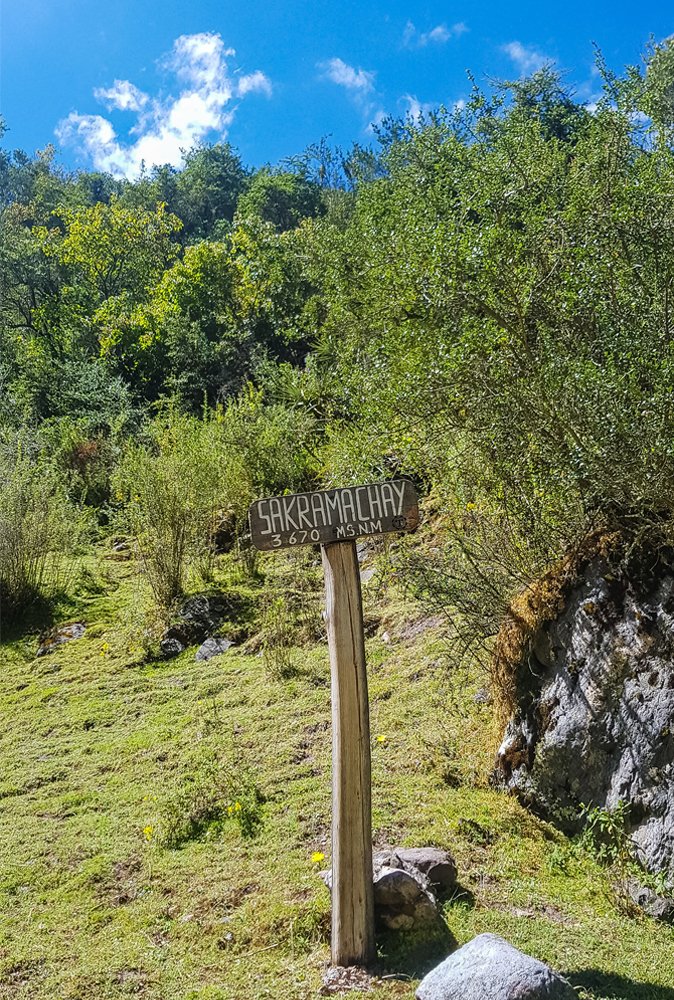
[38, 527]
[606, 833]
[171, 489]
[193, 472]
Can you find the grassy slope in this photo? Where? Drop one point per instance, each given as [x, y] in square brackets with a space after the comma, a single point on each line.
[94, 742]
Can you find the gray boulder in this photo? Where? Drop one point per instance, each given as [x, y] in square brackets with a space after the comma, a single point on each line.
[211, 648]
[438, 865]
[653, 905]
[489, 968]
[596, 706]
[171, 647]
[401, 901]
[403, 881]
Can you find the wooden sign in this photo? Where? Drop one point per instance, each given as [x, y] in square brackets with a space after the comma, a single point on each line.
[335, 518]
[333, 515]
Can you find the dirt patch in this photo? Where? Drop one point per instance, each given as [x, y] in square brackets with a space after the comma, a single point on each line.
[122, 885]
[20, 973]
[411, 630]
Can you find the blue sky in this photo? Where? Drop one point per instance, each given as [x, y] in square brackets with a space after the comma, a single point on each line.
[118, 82]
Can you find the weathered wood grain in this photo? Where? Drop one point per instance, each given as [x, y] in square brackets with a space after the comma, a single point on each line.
[352, 899]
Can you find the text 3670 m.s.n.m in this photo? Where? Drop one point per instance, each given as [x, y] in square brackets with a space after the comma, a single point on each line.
[333, 515]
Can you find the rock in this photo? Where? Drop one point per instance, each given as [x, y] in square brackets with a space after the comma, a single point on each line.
[362, 551]
[403, 892]
[439, 866]
[483, 697]
[367, 574]
[211, 648]
[65, 633]
[489, 968]
[200, 617]
[401, 901]
[204, 611]
[653, 905]
[594, 718]
[171, 647]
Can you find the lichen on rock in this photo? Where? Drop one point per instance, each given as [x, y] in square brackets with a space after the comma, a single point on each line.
[590, 722]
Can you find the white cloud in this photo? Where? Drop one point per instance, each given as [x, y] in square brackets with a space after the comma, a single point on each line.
[413, 39]
[122, 95]
[361, 81]
[527, 60]
[254, 83]
[165, 126]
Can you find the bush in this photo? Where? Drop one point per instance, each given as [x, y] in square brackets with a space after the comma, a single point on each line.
[193, 472]
[171, 489]
[38, 527]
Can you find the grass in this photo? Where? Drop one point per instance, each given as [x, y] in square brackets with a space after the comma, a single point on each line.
[99, 748]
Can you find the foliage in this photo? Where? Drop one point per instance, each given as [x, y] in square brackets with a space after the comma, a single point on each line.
[282, 199]
[203, 194]
[171, 491]
[175, 487]
[606, 833]
[499, 310]
[38, 528]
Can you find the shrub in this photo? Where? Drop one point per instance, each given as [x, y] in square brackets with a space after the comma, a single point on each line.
[171, 489]
[38, 527]
[192, 472]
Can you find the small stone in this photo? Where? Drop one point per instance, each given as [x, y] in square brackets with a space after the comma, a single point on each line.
[362, 551]
[395, 887]
[489, 968]
[65, 633]
[385, 637]
[653, 905]
[483, 697]
[211, 648]
[171, 648]
[367, 574]
[438, 865]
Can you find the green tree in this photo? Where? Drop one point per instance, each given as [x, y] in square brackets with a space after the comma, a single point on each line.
[283, 199]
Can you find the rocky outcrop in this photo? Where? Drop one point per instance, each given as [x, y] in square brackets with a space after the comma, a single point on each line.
[489, 968]
[594, 716]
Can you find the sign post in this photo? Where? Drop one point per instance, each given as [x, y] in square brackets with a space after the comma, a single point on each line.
[335, 518]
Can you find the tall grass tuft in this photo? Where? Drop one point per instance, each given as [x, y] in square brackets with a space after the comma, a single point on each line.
[38, 528]
[170, 489]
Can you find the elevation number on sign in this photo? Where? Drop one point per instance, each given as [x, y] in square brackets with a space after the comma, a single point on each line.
[333, 515]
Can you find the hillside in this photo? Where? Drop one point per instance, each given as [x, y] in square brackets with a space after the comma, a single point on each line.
[104, 752]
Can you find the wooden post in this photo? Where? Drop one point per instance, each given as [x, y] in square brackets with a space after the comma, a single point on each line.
[352, 899]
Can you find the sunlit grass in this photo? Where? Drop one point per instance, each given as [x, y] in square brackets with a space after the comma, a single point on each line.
[97, 746]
